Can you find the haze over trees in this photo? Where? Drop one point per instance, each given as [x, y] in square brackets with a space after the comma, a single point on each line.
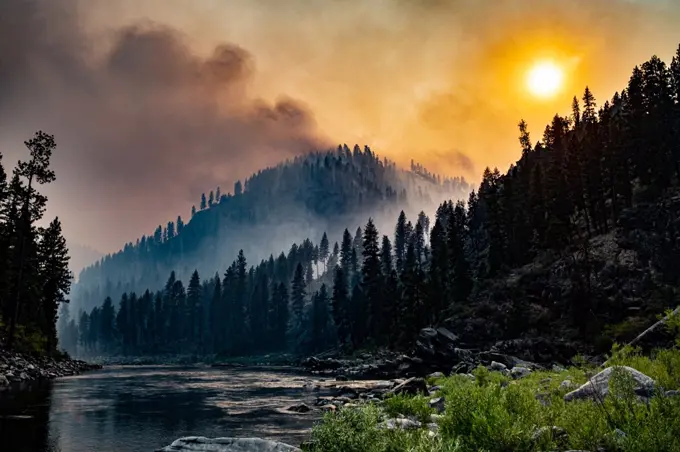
[34, 274]
[298, 199]
[536, 251]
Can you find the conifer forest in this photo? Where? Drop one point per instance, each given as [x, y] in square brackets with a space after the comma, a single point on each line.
[526, 253]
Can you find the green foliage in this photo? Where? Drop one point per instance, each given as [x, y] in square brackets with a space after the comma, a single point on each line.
[417, 407]
[495, 414]
[356, 430]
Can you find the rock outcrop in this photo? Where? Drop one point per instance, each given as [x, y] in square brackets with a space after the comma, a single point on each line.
[202, 444]
[597, 387]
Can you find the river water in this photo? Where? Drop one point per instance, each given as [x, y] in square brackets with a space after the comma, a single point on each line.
[141, 408]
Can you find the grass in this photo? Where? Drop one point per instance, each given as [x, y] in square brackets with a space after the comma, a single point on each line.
[494, 413]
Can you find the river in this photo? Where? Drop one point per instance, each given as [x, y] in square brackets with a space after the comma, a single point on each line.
[141, 408]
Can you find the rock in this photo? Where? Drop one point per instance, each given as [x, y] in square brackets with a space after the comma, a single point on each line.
[202, 444]
[557, 368]
[434, 389]
[519, 372]
[301, 408]
[401, 423]
[620, 434]
[438, 404]
[598, 386]
[411, 386]
[330, 407]
[341, 378]
[3, 381]
[566, 385]
[444, 334]
[436, 375]
[498, 367]
[672, 393]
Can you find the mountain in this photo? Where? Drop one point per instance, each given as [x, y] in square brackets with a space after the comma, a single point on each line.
[572, 250]
[298, 199]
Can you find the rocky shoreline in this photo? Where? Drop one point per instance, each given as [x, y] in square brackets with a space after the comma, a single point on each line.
[16, 368]
[438, 350]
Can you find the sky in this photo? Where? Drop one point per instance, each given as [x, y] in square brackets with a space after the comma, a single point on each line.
[153, 102]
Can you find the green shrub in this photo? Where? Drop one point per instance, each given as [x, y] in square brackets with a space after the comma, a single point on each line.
[409, 406]
[496, 414]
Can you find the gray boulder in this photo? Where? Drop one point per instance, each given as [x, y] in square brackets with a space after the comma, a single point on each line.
[598, 386]
[3, 381]
[400, 424]
[202, 444]
[411, 386]
[438, 403]
[498, 367]
[519, 372]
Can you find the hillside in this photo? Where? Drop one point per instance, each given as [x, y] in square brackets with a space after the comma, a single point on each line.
[296, 200]
[575, 247]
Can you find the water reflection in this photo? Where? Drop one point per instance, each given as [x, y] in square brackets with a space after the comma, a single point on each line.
[142, 408]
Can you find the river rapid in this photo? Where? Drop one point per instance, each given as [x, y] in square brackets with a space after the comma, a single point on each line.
[142, 408]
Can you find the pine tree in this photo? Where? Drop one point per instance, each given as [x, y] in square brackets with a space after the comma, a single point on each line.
[29, 208]
[55, 277]
[400, 241]
[320, 319]
[298, 294]
[324, 250]
[371, 282]
[340, 304]
[203, 201]
[346, 253]
[194, 319]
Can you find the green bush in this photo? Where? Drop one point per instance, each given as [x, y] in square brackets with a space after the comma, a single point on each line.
[417, 407]
[496, 414]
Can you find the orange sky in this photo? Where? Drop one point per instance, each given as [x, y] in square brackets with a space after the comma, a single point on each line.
[417, 78]
[423, 79]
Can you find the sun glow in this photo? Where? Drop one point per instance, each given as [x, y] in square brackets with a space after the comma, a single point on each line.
[545, 79]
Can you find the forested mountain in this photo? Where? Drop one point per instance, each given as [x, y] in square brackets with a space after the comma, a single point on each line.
[298, 199]
[34, 274]
[577, 243]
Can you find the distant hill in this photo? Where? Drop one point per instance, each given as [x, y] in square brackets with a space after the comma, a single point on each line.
[298, 199]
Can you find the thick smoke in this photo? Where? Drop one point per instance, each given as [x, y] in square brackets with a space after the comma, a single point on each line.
[148, 116]
[144, 126]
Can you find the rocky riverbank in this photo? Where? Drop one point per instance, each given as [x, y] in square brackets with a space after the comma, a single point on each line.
[16, 368]
[439, 350]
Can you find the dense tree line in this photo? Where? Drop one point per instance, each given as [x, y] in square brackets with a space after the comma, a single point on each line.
[34, 275]
[328, 190]
[577, 182]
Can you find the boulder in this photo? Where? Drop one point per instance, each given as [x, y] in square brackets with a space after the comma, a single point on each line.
[400, 423]
[411, 386]
[519, 372]
[598, 386]
[436, 375]
[498, 367]
[301, 408]
[202, 444]
[566, 385]
[438, 404]
[3, 381]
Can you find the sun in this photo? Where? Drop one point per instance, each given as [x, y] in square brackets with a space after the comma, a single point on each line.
[545, 79]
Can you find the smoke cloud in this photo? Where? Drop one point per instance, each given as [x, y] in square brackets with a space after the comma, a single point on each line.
[154, 101]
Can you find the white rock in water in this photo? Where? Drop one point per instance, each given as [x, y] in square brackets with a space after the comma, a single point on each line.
[202, 444]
